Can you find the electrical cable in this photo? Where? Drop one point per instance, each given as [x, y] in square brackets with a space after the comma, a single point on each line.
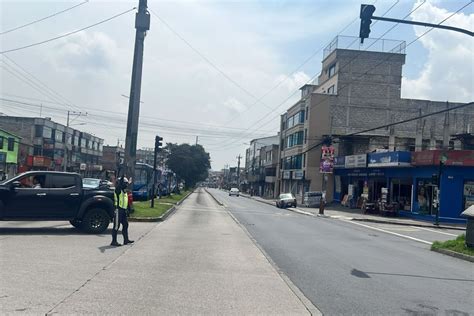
[42, 19]
[66, 34]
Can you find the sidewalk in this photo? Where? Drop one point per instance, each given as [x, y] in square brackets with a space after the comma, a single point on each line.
[341, 212]
[200, 261]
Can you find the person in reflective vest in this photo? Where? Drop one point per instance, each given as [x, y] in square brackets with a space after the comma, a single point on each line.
[121, 212]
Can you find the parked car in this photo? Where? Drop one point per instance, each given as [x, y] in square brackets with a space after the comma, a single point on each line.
[234, 191]
[285, 200]
[50, 195]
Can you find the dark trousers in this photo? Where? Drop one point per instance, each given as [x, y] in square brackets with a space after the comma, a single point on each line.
[120, 217]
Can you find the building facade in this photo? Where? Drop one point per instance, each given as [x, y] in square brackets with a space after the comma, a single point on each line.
[53, 146]
[9, 148]
[255, 160]
[355, 92]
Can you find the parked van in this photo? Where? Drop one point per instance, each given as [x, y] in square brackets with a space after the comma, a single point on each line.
[311, 199]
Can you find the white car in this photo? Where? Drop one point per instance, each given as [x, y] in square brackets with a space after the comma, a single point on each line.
[234, 191]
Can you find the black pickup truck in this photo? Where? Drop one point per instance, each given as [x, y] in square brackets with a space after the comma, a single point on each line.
[49, 195]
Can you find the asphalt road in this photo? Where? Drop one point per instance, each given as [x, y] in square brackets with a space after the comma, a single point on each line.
[354, 268]
[198, 262]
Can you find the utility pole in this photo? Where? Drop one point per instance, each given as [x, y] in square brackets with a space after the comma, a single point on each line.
[66, 156]
[238, 170]
[142, 25]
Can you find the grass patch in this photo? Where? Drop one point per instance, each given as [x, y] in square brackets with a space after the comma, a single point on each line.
[457, 245]
[143, 209]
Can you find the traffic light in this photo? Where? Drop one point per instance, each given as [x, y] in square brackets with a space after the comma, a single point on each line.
[366, 12]
[158, 143]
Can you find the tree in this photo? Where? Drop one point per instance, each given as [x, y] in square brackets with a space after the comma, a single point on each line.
[191, 163]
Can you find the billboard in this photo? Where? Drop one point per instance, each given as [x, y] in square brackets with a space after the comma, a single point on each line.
[389, 159]
[327, 159]
[356, 161]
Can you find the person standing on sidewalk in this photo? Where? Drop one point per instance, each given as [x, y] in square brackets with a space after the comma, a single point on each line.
[121, 212]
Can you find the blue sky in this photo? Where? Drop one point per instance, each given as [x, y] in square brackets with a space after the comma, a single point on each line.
[255, 43]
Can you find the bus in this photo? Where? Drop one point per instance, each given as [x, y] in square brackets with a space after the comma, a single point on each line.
[143, 181]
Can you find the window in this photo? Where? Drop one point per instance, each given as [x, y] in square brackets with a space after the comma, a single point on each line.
[332, 70]
[47, 132]
[58, 136]
[304, 159]
[57, 181]
[305, 135]
[1, 142]
[11, 144]
[331, 89]
[301, 116]
[306, 112]
[38, 131]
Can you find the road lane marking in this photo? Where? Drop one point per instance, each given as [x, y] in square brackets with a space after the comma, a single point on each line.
[435, 231]
[391, 233]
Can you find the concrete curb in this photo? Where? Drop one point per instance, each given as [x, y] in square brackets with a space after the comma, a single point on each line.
[164, 216]
[405, 224]
[454, 254]
[214, 198]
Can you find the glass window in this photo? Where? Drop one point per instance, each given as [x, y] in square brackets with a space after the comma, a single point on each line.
[57, 181]
[58, 136]
[38, 130]
[1, 142]
[305, 135]
[468, 194]
[301, 116]
[47, 132]
[331, 89]
[11, 144]
[332, 70]
[306, 113]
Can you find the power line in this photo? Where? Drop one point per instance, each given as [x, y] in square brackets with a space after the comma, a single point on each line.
[67, 34]
[42, 19]
[308, 82]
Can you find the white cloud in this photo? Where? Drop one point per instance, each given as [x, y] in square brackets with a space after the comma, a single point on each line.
[449, 69]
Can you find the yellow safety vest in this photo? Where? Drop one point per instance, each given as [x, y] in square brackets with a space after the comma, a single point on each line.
[122, 201]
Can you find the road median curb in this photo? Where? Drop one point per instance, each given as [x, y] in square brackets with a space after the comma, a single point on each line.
[215, 199]
[381, 221]
[454, 254]
[165, 215]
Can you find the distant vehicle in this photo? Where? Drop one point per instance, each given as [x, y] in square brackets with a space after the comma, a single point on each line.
[285, 200]
[50, 195]
[234, 191]
[312, 198]
[143, 182]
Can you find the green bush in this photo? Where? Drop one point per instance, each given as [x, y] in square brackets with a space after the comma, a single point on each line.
[457, 245]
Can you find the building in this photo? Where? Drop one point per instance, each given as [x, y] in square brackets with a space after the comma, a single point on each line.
[355, 92]
[9, 148]
[254, 168]
[49, 145]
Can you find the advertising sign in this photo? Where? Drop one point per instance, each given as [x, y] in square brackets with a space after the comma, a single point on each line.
[327, 159]
[450, 157]
[356, 161]
[389, 159]
[82, 166]
[286, 174]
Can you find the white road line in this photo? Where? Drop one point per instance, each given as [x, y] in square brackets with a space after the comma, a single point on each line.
[435, 231]
[391, 233]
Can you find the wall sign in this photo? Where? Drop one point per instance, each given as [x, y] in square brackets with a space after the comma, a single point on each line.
[356, 161]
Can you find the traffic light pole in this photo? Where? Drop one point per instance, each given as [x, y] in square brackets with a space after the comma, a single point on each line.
[142, 25]
[158, 140]
[438, 26]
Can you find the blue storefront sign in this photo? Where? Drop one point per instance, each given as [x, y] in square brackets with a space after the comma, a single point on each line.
[389, 159]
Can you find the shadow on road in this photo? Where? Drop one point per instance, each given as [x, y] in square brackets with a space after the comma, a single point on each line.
[50, 230]
[362, 274]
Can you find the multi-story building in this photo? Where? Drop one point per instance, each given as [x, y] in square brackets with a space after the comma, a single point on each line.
[254, 170]
[49, 145]
[355, 92]
[9, 145]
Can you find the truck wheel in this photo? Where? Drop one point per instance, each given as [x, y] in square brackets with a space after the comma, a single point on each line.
[76, 223]
[95, 221]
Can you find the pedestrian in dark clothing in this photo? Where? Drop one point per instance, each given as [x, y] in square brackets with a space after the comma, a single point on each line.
[121, 212]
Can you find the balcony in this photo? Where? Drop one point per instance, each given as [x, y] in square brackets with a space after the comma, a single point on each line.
[370, 44]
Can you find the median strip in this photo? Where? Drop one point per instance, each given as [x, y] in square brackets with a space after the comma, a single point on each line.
[163, 208]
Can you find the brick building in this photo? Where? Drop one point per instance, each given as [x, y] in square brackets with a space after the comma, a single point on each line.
[359, 90]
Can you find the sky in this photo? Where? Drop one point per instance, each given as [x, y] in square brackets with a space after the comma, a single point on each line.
[216, 72]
